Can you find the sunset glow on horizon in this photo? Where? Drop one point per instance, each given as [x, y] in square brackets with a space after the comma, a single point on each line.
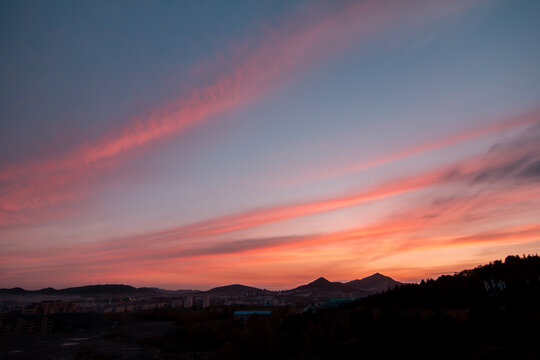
[188, 146]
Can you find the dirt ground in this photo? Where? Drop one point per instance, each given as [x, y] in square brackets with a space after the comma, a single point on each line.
[130, 340]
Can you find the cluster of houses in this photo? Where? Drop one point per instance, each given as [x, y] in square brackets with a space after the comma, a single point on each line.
[52, 307]
[152, 304]
[115, 305]
[129, 304]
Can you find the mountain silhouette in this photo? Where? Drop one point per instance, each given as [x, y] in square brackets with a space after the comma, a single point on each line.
[322, 284]
[319, 287]
[235, 289]
[88, 290]
[374, 283]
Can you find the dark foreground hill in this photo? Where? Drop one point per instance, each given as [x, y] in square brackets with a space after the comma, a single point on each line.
[490, 312]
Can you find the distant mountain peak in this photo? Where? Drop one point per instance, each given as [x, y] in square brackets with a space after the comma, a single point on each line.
[374, 283]
[320, 280]
[322, 284]
[377, 275]
[234, 289]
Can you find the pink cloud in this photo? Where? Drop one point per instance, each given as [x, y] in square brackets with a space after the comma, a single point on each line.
[279, 54]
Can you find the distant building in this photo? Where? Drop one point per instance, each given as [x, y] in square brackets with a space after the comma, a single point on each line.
[188, 302]
[246, 314]
[495, 286]
[52, 307]
[264, 300]
[27, 325]
[206, 302]
[176, 303]
[328, 303]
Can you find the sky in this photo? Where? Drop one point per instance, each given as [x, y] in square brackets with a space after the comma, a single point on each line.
[187, 145]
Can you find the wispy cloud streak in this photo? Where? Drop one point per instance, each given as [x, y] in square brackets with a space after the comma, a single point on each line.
[279, 52]
[492, 127]
[516, 162]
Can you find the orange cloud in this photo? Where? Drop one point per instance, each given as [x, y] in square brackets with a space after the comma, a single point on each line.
[441, 222]
[509, 163]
